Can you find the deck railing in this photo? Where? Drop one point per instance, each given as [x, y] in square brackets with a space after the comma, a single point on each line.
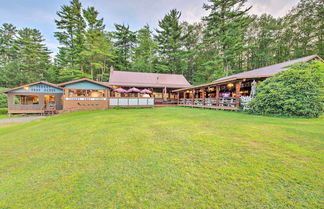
[124, 101]
[225, 102]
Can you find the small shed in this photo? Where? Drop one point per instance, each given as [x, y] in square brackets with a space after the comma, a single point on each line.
[34, 98]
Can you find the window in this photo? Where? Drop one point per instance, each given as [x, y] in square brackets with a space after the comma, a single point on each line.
[26, 100]
[86, 93]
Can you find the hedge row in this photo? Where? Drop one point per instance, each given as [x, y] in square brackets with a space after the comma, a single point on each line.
[3, 111]
[3, 99]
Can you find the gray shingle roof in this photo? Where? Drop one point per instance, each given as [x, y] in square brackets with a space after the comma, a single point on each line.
[268, 71]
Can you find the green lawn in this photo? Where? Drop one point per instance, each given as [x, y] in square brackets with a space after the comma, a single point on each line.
[162, 158]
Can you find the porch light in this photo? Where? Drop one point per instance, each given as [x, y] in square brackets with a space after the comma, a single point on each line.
[230, 85]
[26, 87]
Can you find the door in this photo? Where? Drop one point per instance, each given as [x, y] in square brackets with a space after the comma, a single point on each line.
[49, 102]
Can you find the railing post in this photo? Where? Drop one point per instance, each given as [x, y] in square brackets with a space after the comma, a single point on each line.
[237, 93]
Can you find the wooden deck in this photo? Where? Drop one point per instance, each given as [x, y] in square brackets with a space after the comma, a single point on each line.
[211, 107]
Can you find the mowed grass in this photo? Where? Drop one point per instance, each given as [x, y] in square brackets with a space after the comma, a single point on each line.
[162, 158]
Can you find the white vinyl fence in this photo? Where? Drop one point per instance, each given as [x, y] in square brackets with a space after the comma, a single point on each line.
[131, 101]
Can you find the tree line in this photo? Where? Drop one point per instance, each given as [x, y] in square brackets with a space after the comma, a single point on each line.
[228, 40]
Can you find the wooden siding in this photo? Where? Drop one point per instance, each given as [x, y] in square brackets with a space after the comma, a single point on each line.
[85, 103]
[32, 108]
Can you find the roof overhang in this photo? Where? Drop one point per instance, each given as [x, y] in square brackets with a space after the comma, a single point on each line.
[84, 79]
[31, 84]
[141, 85]
[237, 78]
[221, 82]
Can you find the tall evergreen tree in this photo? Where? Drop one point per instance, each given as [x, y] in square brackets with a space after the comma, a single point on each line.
[33, 54]
[97, 54]
[8, 47]
[169, 37]
[224, 35]
[124, 41]
[71, 35]
[192, 40]
[27, 57]
[305, 24]
[144, 52]
[261, 42]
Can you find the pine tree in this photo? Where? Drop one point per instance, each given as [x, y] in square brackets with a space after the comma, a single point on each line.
[124, 41]
[224, 35]
[97, 54]
[305, 25]
[261, 41]
[145, 50]
[169, 37]
[71, 35]
[33, 55]
[8, 48]
[191, 41]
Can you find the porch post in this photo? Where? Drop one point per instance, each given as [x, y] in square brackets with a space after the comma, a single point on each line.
[108, 93]
[237, 93]
[162, 96]
[203, 96]
[217, 95]
[193, 97]
[184, 98]
[178, 97]
[66, 92]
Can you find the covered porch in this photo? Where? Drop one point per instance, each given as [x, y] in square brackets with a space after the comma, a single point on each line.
[224, 95]
[154, 96]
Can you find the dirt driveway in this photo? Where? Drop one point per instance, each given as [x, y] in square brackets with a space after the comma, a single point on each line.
[19, 119]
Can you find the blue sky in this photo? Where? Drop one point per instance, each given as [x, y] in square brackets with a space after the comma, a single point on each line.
[40, 14]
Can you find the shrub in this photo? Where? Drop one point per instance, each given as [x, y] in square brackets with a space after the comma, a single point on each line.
[3, 99]
[294, 92]
[3, 111]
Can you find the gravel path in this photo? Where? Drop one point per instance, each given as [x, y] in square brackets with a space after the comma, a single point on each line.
[20, 119]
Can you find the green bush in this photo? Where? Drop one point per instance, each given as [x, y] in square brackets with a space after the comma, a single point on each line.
[3, 99]
[3, 111]
[294, 92]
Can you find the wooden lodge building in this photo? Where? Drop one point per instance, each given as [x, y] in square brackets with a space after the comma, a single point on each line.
[231, 92]
[43, 97]
[225, 93]
[161, 85]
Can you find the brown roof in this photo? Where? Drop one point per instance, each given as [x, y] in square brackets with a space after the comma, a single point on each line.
[85, 79]
[263, 72]
[140, 79]
[30, 84]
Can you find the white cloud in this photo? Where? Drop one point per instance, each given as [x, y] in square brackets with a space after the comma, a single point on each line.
[40, 14]
[276, 8]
